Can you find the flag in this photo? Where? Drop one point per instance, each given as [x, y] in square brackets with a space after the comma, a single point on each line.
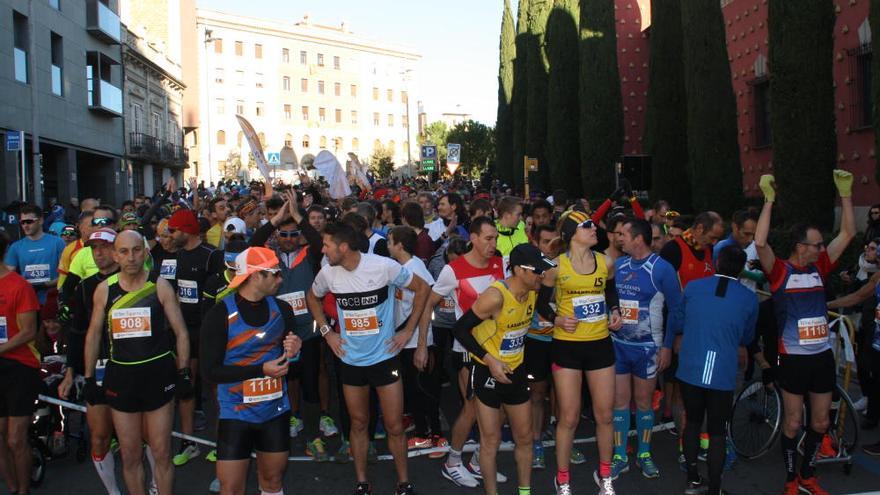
[256, 147]
[327, 165]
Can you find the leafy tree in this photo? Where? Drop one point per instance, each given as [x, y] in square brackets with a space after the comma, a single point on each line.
[477, 146]
[713, 149]
[601, 107]
[382, 161]
[435, 133]
[666, 118]
[802, 120]
[504, 158]
[563, 113]
[518, 95]
[536, 90]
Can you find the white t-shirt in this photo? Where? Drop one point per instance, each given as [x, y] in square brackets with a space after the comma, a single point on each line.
[436, 228]
[403, 304]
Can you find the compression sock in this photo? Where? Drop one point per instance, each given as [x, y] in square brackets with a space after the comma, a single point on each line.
[789, 454]
[811, 445]
[621, 430]
[105, 466]
[604, 469]
[645, 426]
[563, 477]
[704, 441]
[525, 490]
[454, 458]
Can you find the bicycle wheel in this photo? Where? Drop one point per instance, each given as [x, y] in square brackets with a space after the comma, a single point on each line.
[755, 421]
[845, 430]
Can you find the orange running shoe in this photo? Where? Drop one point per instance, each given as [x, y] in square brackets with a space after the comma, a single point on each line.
[438, 443]
[791, 488]
[827, 449]
[811, 486]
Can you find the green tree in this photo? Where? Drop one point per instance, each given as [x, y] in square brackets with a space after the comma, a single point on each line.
[666, 118]
[477, 146]
[382, 161]
[536, 91]
[504, 161]
[802, 119]
[874, 20]
[563, 151]
[435, 133]
[713, 150]
[601, 107]
[518, 95]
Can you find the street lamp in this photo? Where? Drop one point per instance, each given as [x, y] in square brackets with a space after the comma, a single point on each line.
[207, 137]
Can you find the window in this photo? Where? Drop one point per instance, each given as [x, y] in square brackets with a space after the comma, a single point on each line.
[258, 51]
[761, 91]
[376, 119]
[304, 85]
[220, 105]
[57, 64]
[20, 46]
[404, 97]
[218, 45]
[303, 58]
[239, 77]
[55, 4]
[288, 140]
[390, 94]
[320, 87]
[137, 113]
[375, 94]
[285, 55]
[155, 123]
[354, 117]
[392, 147]
[322, 143]
[260, 109]
[221, 137]
[305, 142]
[305, 113]
[287, 112]
[338, 143]
[354, 90]
[338, 113]
[320, 60]
[258, 79]
[239, 107]
[218, 75]
[337, 89]
[355, 144]
[861, 95]
[390, 120]
[336, 63]
[322, 114]
[239, 48]
[285, 83]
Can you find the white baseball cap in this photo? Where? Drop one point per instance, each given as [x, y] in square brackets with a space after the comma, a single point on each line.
[234, 225]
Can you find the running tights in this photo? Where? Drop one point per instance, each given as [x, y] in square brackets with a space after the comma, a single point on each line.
[715, 406]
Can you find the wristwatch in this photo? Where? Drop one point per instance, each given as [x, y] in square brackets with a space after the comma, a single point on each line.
[325, 329]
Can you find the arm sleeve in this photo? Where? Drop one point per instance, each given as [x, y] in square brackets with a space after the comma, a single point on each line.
[316, 243]
[600, 212]
[675, 323]
[612, 300]
[638, 212]
[261, 236]
[462, 332]
[671, 252]
[68, 290]
[545, 296]
[213, 350]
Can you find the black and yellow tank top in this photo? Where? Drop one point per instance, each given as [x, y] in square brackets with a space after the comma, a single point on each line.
[136, 326]
[504, 337]
[583, 297]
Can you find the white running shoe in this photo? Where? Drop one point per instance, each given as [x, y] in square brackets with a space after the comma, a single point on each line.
[474, 466]
[459, 475]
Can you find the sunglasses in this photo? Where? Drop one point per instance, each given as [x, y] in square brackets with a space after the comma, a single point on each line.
[587, 224]
[27, 221]
[101, 221]
[288, 233]
[275, 272]
[68, 233]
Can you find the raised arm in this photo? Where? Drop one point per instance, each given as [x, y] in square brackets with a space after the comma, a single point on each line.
[762, 231]
[843, 182]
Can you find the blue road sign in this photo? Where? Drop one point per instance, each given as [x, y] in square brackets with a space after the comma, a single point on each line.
[13, 141]
[273, 158]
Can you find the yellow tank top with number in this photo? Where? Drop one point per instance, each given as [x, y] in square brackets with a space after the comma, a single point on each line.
[504, 337]
[583, 297]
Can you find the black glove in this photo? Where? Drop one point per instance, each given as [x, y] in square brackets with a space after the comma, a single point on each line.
[184, 386]
[92, 393]
[616, 195]
[768, 375]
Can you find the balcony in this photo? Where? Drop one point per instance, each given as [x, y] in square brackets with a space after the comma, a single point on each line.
[143, 147]
[102, 22]
[104, 97]
[180, 156]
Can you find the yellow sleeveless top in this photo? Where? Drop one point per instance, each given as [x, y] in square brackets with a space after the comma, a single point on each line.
[582, 296]
[504, 337]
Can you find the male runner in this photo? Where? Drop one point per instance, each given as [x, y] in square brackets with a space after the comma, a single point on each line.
[806, 362]
[35, 256]
[363, 286]
[511, 228]
[141, 376]
[493, 331]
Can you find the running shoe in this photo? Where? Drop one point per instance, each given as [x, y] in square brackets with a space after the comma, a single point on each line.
[114, 445]
[861, 404]
[606, 485]
[619, 465]
[561, 488]
[682, 463]
[200, 421]
[343, 455]
[405, 489]
[380, 430]
[703, 455]
[296, 426]
[826, 448]
[188, 451]
[474, 466]
[214, 487]
[212, 456]
[873, 449]
[415, 443]
[438, 442]
[538, 456]
[327, 426]
[646, 463]
[315, 449]
[791, 488]
[810, 486]
[363, 489]
[459, 475]
[696, 487]
[154, 490]
[577, 457]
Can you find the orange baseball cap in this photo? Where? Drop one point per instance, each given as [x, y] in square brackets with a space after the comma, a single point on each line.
[252, 260]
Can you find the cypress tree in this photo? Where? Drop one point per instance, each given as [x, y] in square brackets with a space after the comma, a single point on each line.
[666, 117]
[563, 152]
[601, 121]
[536, 91]
[874, 20]
[504, 161]
[802, 117]
[518, 95]
[713, 151]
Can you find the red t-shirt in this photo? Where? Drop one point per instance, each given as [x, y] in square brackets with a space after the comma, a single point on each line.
[16, 297]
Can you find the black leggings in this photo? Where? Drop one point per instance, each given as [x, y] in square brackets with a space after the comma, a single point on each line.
[422, 392]
[716, 406]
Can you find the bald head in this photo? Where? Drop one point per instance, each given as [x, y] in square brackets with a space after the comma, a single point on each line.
[130, 251]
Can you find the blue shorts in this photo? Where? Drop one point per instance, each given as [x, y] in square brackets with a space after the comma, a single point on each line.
[638, 360]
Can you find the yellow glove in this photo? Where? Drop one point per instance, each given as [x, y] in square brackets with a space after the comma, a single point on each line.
[843, 180]
[768, 187]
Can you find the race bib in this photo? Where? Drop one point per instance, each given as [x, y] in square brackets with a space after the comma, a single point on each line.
[513, 342]
[297, 301]
[447, 305]
[37, 274]
[589, 309]
[629, 312]
[4, 332]
[812, 330]
[188, 291]
[100, 369]
[361, 323]
[168, 270]
[130, 323]
[261, 390]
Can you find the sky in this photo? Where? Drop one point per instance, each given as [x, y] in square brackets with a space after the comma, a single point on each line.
[458, 41]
